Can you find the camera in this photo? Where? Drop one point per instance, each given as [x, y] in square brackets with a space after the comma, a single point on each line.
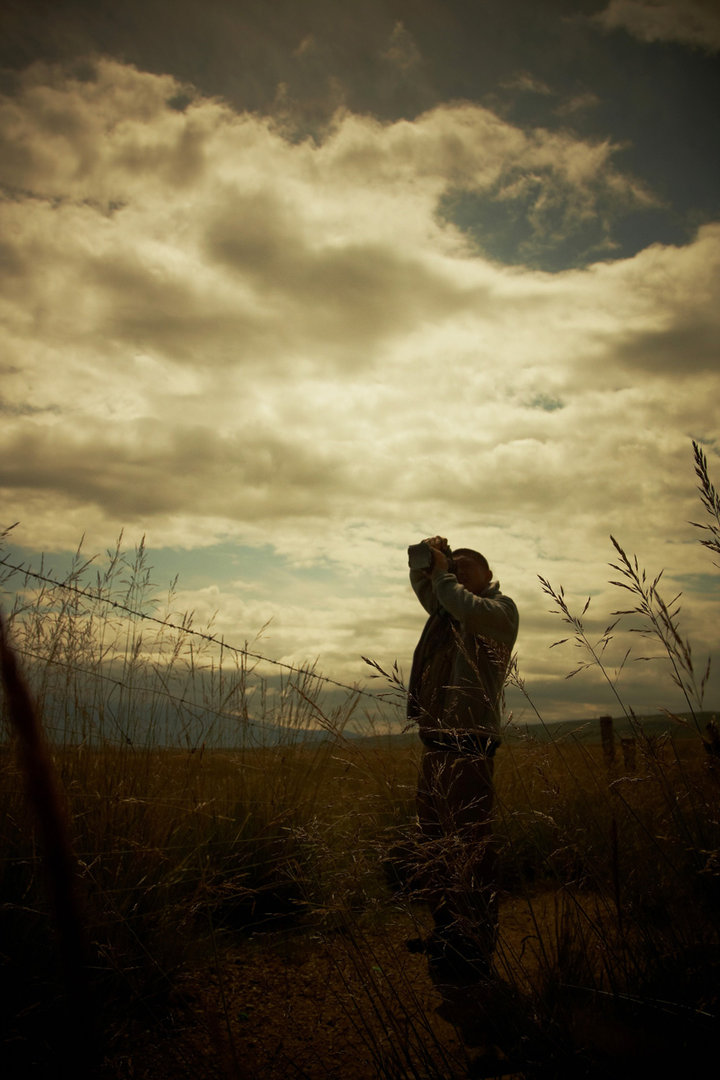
[420, 556]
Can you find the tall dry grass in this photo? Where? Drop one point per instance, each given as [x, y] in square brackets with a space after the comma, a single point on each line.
[609, 876]
[177, 843]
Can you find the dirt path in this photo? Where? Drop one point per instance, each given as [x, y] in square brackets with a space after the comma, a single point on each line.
[352, 1006]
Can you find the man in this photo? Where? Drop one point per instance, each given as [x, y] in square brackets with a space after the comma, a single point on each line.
[458, 672]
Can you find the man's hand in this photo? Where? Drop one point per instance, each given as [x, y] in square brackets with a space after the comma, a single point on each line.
[439, 546]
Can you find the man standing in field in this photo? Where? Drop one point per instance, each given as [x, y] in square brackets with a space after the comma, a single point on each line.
[458, 672]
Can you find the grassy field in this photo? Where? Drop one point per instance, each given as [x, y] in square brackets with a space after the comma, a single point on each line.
[183, 856]
[170, 908]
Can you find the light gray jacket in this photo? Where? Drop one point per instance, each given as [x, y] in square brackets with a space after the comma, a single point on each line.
[479, 639]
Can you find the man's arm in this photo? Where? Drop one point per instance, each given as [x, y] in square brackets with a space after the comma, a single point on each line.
[421, 579]
[421, 583]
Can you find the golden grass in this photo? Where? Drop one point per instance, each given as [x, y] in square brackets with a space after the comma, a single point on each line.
[609, 879]
[179, 851]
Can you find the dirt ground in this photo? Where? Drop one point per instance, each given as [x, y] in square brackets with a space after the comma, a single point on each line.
[352, 1005]
[351, 1002]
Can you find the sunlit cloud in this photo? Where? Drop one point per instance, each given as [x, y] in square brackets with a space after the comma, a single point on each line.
[215, 333]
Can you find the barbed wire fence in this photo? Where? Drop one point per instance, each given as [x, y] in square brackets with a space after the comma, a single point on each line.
[301, 674]
[301, 680]
[167, 848]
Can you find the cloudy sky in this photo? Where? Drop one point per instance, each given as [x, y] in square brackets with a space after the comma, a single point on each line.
[288, 286]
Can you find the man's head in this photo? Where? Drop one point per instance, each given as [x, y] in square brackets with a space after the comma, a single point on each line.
[472, 570]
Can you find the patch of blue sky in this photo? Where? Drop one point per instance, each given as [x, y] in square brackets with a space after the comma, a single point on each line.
[515, 231]
[698, 585]
[57, 565]
[227, 565]
[546, 402]
[219, 564]
[195, 565]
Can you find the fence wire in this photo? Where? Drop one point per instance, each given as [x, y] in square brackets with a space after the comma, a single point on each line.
[213, 639]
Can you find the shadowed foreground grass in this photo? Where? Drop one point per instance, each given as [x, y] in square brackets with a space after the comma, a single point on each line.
[184, 856]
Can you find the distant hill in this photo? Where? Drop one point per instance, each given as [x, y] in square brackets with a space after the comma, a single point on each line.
[584, 731]
[680, 727]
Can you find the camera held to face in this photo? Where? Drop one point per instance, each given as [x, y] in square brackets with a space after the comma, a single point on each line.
[420, 556]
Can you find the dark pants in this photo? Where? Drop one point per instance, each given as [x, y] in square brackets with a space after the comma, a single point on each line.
[455, 804]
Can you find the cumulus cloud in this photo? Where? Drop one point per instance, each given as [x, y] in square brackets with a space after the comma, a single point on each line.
[213, 332]
[690, 22]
